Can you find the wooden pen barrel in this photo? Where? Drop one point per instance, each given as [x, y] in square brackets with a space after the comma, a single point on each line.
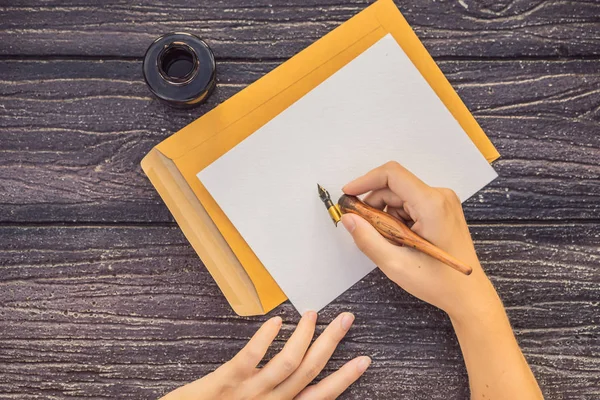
[397, 232]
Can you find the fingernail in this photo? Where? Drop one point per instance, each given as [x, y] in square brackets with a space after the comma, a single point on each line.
[363, 364]
[277, 320]
[347, 321]
[311, 316]
[349, 222]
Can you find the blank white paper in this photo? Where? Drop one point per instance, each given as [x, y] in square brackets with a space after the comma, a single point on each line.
[375, 109]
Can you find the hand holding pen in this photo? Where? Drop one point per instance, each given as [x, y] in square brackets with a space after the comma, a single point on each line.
[496, 366]
[429, 213]
[393, 228]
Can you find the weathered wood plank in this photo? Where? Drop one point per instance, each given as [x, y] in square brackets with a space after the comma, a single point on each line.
[259, 29]
[130, 312]
[73, 133]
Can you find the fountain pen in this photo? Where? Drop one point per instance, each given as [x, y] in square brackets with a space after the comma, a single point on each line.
[394, 230]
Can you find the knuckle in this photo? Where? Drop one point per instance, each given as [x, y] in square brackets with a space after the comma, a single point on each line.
[230, 369]
[392, 166]
[249, 358]
[450, 195]
[228, 386]
[334, 337]
[289, 364]
[437, 200]
[312, 371]
[251, 355]
[241, 392]
[443, 202]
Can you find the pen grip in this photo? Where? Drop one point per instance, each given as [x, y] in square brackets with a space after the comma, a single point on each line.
[397, 232]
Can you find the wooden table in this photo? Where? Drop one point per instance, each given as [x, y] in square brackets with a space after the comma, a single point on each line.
[102, 297]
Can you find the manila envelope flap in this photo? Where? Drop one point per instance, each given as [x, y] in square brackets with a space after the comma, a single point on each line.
[199, 144]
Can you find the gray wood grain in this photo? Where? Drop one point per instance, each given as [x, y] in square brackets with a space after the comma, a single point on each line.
[102, 297]
[281, 28]
[130, 312]
[73, 133]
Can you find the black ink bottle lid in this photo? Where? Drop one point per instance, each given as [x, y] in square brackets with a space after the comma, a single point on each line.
[180, 69]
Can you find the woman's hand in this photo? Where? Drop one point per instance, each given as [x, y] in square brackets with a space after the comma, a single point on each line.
[436, 215]
[288, 374]
[496, 367]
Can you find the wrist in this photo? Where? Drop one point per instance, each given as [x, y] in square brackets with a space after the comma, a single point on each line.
[480, 306]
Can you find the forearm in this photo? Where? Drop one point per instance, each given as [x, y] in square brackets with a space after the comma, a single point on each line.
[496, 367]
[495, 364]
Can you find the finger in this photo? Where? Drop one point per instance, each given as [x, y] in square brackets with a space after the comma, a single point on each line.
[399, 213]
[316, 358]
[394, 261]
[335, 384]
[383, 197]
[254, 351]
[394, 213]
[400, 180]
[369, 241]
[290, 357]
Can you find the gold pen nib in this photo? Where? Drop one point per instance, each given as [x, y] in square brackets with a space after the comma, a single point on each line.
[333, 209]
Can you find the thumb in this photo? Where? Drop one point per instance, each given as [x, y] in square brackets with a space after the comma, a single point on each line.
[369, 241]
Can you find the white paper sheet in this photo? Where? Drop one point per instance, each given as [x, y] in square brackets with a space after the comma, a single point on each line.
[375, 109]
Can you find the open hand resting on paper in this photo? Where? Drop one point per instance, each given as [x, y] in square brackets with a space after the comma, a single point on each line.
[285, 376]
[436, 215]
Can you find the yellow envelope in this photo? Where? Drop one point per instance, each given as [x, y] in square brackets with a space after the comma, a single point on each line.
[173, 164]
